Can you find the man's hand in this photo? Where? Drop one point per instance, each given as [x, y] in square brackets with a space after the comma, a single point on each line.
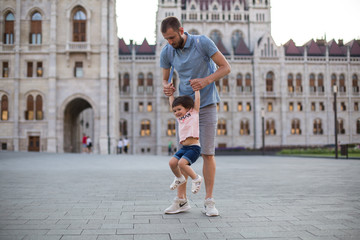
[168, 89]
[198, 83]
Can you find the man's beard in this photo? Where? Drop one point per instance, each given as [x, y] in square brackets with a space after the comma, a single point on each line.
[180, 43]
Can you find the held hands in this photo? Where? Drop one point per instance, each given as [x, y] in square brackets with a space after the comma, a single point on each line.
[198, 83]
[168, 89]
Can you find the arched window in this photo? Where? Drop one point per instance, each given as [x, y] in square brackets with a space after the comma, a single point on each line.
[141, 82]
[298, 87]
[149, 83]
[270, 127]
[355, 83]
[270, 82]
[342, 87]
[79, 25]
[126, 84]
[248, 87]
[244, 127]
[290, 83]
[333, 80]
[145, 128]
[235, 38]
[29, 114]
[9, 29]
[123, 127]
[171, 128]
[239, 82]
[4, 108]
[221, 129]
[317, 130]
[320, 87]
[39, 111]
[35, 29]
[312, 83]
[295, 127]
[215, 36]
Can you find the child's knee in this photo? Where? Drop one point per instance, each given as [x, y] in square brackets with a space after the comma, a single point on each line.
[173, 163]
[183, 163]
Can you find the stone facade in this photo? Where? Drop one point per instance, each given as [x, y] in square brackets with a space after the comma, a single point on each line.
[119, 85]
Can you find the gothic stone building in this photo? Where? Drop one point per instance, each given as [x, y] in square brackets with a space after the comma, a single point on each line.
[62, 76]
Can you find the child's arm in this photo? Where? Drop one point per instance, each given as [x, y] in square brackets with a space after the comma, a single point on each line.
[197, 101]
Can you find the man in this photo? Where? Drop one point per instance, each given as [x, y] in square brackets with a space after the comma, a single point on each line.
[186, 55]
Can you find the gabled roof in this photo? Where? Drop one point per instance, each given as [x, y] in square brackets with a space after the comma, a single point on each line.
[123, 48]
[335, 50]
[145, 48]
[313, 49]
[241, 48]
[354, 48]
[292, 50]
[222, 48]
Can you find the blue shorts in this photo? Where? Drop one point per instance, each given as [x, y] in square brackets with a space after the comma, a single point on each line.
[190, 153]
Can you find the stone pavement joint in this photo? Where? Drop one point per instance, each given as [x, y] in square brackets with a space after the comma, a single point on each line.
[113, 197]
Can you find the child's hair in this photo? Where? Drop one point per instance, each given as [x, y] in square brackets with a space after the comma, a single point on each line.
[185, 101]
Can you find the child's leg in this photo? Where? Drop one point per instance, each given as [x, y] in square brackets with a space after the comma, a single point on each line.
[185, 168]
[174, 166]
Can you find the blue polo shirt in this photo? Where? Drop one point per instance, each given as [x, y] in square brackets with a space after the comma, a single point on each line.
[190, 64]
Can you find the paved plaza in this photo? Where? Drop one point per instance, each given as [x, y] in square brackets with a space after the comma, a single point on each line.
[108, 197]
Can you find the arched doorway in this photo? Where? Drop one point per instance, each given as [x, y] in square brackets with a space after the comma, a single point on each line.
[78, 119]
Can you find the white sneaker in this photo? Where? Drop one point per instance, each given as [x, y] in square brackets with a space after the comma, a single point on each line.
[196, 184]
[177, 182]
[179, 205]
[209, 208]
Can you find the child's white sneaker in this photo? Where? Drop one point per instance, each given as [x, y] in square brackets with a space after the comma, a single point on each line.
[196, 184]
[177, 182]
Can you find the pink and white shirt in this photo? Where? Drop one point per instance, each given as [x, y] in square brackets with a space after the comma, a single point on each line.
[189, 125]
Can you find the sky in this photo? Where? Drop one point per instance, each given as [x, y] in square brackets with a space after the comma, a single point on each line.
[299, 20]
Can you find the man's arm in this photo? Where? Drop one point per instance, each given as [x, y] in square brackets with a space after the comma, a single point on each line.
[223, 70]
[168, 88]
[197, 101]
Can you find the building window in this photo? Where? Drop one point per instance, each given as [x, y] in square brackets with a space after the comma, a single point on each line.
[9, 29]
[341, 128]
[240, 107]
[312, 83]
[244, 127]
[342, 87]
[358, 126]
[5, 70]
[342, 106]
[226, 107]
[29, 69]
[217, 84]
[313, 106]
[356, 106]
[239, 82]
[322, 106]
[145, 128]
[149, 107]
[270, 127]
[295, 127]
[78, 70]
[171, 131]
[248, 107]
[317, 127]
[141, 83]
[320, 87]
[149, 83]
[225, 84]
[126, 83]
[35, 29]
[39, 69]
[269, 82]
[333, 80]
[355, 83]
[291, 106]
[221, 128]
[248, 87]
[79, 26]
[4, 108]
[34, 107]
[141, 106]
[298, 87]
[126, 107]
[123, 127]
[270, 107]
[299, 106]
[290, 83]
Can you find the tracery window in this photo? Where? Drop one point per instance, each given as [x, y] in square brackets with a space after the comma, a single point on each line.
[79, 25]
[9, 29]
[290, 83]
[355, 83]
[35, 29]
[270, 82]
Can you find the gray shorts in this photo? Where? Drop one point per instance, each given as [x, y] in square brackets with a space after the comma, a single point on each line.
[208, 124]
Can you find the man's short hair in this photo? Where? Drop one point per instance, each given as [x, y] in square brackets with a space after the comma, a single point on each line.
[170, 22]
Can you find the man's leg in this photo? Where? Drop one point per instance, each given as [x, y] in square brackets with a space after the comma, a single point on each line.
[209, 169]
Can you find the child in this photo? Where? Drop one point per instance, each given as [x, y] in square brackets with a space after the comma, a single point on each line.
[187, 113]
